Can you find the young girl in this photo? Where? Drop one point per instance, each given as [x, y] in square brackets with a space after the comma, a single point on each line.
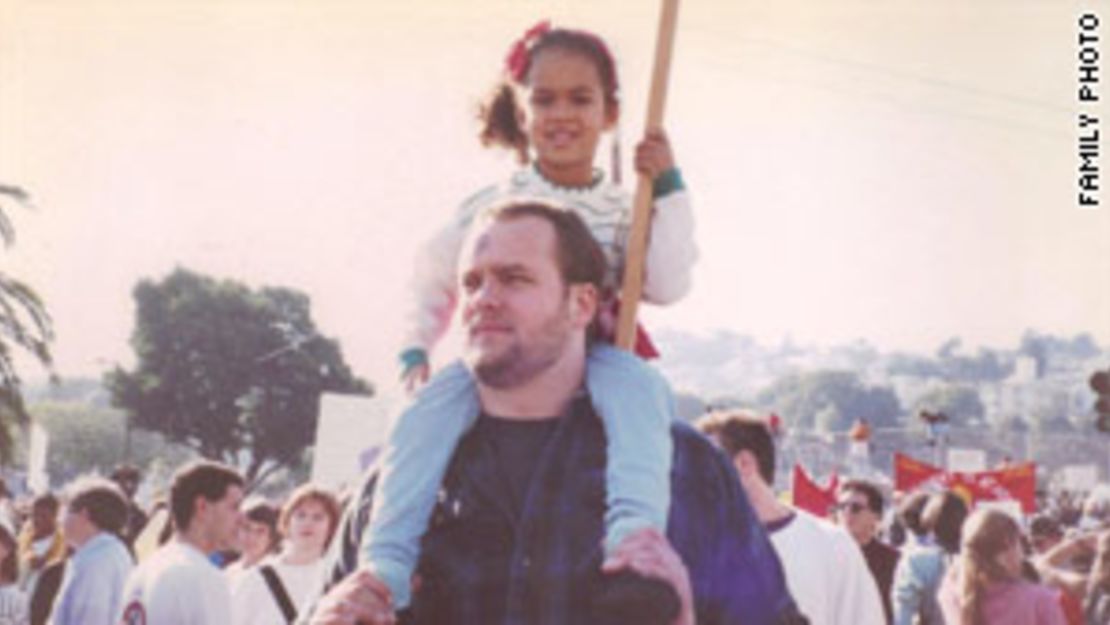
[568, 83]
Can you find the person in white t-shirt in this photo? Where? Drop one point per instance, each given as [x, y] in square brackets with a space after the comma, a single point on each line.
[307, 523]
[178, 584]
[825, 570]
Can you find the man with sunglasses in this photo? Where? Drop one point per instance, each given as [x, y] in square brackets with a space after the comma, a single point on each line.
[859, 508]
[824, 570]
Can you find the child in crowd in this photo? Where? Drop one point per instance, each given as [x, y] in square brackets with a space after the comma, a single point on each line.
[560, 95]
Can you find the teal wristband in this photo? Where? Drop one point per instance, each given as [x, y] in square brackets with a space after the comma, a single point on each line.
[667, 182]
[413, 357]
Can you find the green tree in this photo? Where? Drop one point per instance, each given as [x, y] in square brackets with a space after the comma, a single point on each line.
[235, 373]
[839, 397]
[959, 401]
[24, 325]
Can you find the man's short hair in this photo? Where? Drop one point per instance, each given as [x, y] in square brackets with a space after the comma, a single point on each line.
[869, 490]
[738, 430]
[577, 253]
[202, 478]
[103, 502]
[45, 501]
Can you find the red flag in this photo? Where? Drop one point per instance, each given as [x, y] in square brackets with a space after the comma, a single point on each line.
[909, 473]
[811, 497]
[1018, 483]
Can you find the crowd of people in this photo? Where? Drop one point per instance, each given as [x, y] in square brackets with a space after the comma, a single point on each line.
[81, 557]
[935, 559]
[92, 555]
[544, 477]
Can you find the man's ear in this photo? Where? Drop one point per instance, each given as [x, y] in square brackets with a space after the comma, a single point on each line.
[745, 463]
[200, 506]
[583, 302]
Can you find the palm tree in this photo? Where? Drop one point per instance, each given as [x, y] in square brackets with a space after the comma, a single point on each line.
[24, 325]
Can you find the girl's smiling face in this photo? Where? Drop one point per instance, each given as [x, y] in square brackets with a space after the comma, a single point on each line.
[566, 114]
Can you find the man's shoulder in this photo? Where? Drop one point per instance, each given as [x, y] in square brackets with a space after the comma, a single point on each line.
[106, 551]
[174, 564]
[693, 446]
[819, 537]
[816, 525]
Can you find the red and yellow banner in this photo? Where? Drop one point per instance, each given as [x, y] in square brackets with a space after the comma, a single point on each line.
[1018, 483]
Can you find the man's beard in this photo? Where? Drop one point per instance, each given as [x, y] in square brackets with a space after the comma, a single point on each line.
[521, 362]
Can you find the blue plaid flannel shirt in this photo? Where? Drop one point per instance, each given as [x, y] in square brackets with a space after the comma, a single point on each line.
[484, 563]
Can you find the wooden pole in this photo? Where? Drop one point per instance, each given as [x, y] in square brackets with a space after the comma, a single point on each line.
[636, 248]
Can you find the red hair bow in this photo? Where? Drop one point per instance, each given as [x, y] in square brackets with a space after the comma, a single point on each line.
[518, 60]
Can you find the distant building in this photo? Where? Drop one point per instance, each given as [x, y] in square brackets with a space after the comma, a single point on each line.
[1025, 370]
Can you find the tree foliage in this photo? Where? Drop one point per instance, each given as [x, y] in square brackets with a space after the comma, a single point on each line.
[233, 372]
[24, 325]
[832, 400]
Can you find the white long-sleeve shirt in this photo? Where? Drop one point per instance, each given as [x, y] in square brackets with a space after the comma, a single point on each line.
[607, 211]
[826, 573]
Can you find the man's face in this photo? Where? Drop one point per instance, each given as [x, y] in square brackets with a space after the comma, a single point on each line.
[221, 518]
[853, 513]
[77, 527]
[519, 315]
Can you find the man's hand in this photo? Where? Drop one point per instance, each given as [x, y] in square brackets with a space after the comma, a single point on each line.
[648, 553]
[360, 599]
[653, 154]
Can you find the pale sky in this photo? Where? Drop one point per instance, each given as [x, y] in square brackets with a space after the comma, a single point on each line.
[896, 171]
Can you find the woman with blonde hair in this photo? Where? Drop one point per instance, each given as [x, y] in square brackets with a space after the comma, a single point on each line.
[986, 586]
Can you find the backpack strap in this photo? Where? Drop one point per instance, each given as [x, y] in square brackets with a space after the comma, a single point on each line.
[278, 590]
